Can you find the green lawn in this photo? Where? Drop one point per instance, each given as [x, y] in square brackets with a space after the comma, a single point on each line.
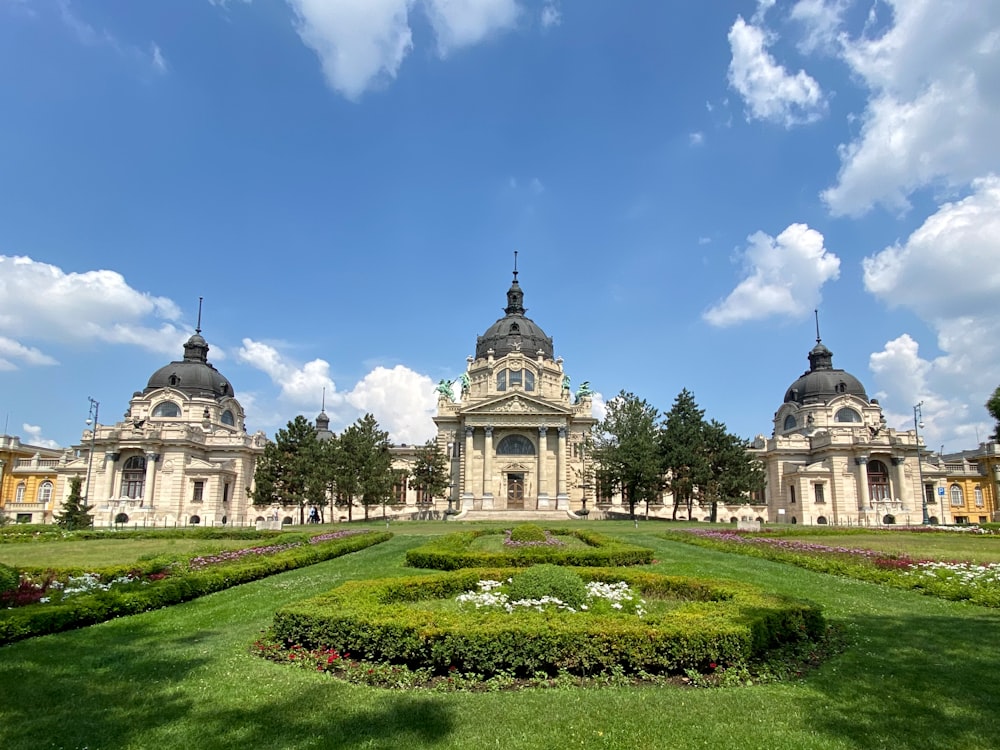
[935, 546]
[920, 673]
[104, 552]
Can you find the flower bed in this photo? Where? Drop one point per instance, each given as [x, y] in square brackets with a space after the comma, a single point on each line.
[409, 623]
[453, 552]
[977, 583]
[52, 601]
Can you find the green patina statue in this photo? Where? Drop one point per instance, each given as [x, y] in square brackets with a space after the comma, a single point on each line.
[444, 388]
[584, 390]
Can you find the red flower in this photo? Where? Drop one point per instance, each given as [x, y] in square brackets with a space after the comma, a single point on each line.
[711, 664]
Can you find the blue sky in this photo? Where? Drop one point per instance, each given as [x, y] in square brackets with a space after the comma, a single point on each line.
[345, 183]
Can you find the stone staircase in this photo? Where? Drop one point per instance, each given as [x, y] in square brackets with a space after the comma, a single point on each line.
[503, 514]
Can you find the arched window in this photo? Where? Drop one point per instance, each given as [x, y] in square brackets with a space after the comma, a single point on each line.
[19, 493]
[515, 377]
[529, 380]
[878, 482]
[45, 491]
[821, 520]
[194, 520]
[979, 496]
[228, 418]
[888, 520]
[167, 409]
[502, 380]
[957, 496]
[121, 518]
[515, 445]
[847, 415]
[790, 422]
[134, 477]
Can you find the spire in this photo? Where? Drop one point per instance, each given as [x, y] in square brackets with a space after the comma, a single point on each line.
[196, 348]
[820, 358]
[515, 297]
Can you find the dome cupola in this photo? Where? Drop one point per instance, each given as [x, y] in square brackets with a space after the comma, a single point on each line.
[515, 332]
[822, 382]
[192, 375]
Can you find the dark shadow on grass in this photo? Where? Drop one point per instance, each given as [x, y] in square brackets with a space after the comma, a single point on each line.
[915, 682]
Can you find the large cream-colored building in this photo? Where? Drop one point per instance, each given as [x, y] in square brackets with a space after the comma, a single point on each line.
[181, 455]
[831, 459]
[516, 432]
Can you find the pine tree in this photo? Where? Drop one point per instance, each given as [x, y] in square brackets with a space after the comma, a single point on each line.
[75, 512]
[733, 472]
[289, 471]
[364, 469]
[430, 473]
[625, 447]
[682, 447]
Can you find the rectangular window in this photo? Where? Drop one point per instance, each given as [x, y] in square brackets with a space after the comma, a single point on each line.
[979, 496]
[23, 518]
[422, 497]
[791, 494]
[515, 378]
[225, 492]
[399, 489]
[199, 491]
[929, 494]
[818, 490]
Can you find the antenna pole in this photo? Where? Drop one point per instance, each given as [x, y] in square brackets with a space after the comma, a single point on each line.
[198, 329]
[816, 313]
[515, 265]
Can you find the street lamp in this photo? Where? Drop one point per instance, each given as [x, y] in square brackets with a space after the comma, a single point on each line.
[92, 422]
[918, 423]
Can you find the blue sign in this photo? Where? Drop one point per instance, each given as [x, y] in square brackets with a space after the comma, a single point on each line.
[941, 491]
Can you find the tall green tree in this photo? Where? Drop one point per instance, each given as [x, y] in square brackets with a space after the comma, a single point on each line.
[993, 407]
[75, 512]
[625, 447]
[430, 472]
[365, 466]
[733, 472]
[290, 471]
[682, 451]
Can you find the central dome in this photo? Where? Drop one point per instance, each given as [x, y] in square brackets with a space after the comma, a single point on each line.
[192, 375]
[821, 383]
[514, 332]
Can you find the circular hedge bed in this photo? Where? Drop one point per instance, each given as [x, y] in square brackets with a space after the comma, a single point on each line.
[683, 624]
[454, 551]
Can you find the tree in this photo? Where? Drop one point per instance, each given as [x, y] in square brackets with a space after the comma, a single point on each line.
[733, 472]
[993, 407]
[75, 512]
[682, 450]
[289, 472]
[430, 474]
[625, 446]
[364, 469]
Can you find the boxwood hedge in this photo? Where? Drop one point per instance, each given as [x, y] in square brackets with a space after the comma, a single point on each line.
[398, 621]
[452, 552]
[179, 586]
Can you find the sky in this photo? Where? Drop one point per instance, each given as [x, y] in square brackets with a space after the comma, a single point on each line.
[345, 182]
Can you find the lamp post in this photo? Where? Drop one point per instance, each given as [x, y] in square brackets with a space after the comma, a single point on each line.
[92, 423]
[918, 423]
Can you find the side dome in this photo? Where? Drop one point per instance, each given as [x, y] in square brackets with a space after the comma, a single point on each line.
[514, 332]
[192, 375]
[822, 383]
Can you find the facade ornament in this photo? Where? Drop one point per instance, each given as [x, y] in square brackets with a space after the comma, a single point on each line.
[444, 389]
[583, 391]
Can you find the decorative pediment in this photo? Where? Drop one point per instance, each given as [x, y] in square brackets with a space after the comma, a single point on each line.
[517, 403]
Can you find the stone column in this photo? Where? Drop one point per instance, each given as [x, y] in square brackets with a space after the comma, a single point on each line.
[562, 499]
[864, 499]
[467, 482]
[150, 483]
[109, 475]
[541, 474]
[488, 468]
[904, 492]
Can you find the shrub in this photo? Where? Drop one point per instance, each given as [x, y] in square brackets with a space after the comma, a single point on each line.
[540, 581]
[9, 578]
[527, 532]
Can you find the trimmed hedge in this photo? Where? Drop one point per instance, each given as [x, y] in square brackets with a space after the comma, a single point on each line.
[452, 552]
[382, 620]
[24, 533]
[9, 578]
[89, 609]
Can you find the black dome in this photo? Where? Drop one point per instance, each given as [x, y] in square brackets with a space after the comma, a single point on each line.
[821, 382]
[192, 375]
[514, 332]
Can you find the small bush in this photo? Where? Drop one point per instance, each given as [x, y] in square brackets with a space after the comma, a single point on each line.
[540, 581]
[9, 578]
[527, 532]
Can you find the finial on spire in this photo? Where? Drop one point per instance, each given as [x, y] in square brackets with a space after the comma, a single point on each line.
[816, 313]
[323, 407]
[198, 327]
[515, 265]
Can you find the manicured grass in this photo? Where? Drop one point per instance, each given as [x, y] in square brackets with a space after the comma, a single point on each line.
[938, 545]
[495, 543]
[99, 553]
[920, 673]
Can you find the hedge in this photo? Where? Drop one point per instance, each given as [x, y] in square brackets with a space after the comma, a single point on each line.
[452, 552]
[383, 621]
[88, 609]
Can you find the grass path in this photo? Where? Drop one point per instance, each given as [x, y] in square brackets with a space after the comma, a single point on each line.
[921, 674]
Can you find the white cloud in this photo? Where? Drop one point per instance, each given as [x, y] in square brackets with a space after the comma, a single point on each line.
[946, 272]
[696, 138]
[34, 436]
[551, 15]
[821, 20]
[159, 62]
[769, 91]
[10, 350]
[933, 107]
[403, 402]
[462, 23]
[359, 42]
[91, 37]
[39, 301]
[300, 385]
[598, 406]
[784, 277]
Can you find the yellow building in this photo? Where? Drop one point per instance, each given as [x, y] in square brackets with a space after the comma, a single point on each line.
[28, 481]
[972, 483]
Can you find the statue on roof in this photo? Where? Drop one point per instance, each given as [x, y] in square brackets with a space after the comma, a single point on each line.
[583, 391]
[444, 388]
[466, 385]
